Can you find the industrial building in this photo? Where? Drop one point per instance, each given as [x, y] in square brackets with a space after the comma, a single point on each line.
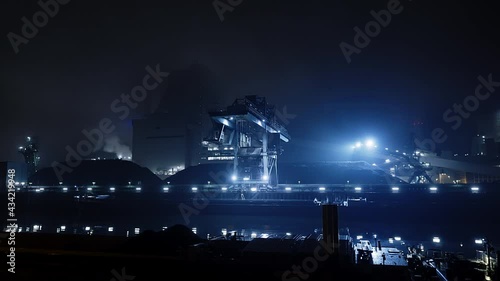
[168, 139]
[248, 134]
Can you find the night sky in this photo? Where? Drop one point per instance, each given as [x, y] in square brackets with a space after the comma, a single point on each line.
[425, 60]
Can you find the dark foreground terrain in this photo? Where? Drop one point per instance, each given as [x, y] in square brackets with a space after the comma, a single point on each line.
[148, 257]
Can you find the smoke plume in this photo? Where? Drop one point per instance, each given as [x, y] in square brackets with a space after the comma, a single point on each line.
[114, 145]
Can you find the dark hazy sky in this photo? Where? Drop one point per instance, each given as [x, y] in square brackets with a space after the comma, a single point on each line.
[426, 59]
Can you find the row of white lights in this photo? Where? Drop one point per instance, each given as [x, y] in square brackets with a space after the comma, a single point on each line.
[435, 239]
[62, 228]
[254, 189]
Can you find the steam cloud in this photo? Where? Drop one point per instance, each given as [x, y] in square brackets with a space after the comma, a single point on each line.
[113, 145]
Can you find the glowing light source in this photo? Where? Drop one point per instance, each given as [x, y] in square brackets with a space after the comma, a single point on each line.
[137, 230]
[433, 188]
[474, 188]
[370, 143]
[397, 238]
[87, 228]
[253, 189]
[110, 229]
[165, 189]
[288, 234]
[111, 189]
[357, 188]
[436, 240]
[194, 188]
[358, 144]
[387, 161]
[63, 228]
[234, 177]
[359, 237]
[322, 188]
[65, 189]
[288, 188]
[246, 178]
[395, 188]
[224, 189]
[265, 178]
[253, 235]
[138, 189]
[478, 241]
[89, 188]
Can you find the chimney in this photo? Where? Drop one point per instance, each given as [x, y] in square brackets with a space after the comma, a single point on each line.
[331, 228]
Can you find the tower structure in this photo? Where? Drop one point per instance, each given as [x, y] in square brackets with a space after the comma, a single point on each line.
[30, 154]
[248, 133]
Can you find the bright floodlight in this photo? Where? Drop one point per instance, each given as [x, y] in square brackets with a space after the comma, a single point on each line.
[478, 241]
[322, 188]
[253, 189]
[475, 188]
[433, 188]
[387, 161]
[265, 178]
[288, 188]
[194, 188]
[370, 143]
[357, 188]
[234, 177]
[397, 238]
[436, 240]
[224, 189]
[395, 188]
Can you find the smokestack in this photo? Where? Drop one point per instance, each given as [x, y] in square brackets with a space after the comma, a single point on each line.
[331, 228]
